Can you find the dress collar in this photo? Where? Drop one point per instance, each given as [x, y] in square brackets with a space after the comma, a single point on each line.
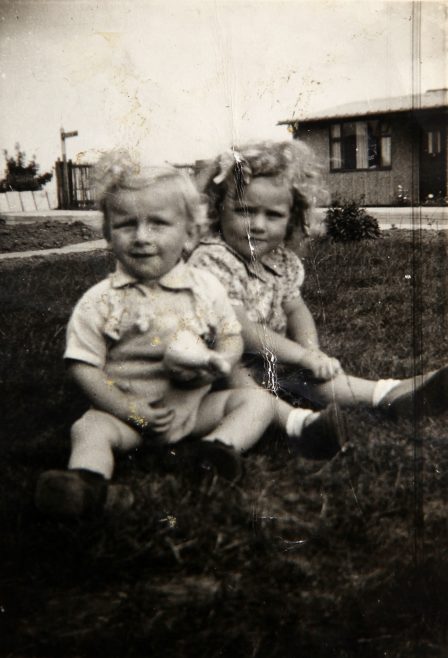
[269, 261]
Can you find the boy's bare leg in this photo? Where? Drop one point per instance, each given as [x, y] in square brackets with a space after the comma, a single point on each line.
[83, 489]
[238, 417]
[94, 438]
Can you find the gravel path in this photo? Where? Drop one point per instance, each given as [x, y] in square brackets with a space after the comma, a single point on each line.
[68, 249]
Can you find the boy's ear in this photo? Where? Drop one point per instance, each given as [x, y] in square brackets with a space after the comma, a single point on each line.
[189, 245]
[193, 237]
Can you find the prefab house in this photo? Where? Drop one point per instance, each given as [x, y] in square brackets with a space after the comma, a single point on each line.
[383, 152]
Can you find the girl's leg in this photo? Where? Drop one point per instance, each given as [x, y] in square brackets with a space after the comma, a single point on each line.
[422, 395]
[346, 390]
[242, 377]
[237, 417]
[94, 438]
[317, 434]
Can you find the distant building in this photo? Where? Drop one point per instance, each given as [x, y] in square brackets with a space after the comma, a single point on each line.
[382, 149]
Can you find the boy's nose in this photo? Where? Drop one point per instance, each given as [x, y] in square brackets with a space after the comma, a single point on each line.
[143, 232]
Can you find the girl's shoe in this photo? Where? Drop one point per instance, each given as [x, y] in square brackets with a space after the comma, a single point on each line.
[220, 459]
[197, 456]
[415, 397]
[71, 494]
[323, 437]
[119, 499]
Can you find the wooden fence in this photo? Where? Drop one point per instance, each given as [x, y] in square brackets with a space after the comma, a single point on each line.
[75, 186]
[17, 202]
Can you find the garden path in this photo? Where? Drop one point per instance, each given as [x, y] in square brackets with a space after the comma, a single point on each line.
[68, 249]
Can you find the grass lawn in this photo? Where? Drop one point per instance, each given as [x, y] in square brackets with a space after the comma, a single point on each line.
[343, 559]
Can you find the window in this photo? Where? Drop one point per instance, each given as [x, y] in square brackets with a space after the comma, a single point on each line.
[434, 142]
[360, 145]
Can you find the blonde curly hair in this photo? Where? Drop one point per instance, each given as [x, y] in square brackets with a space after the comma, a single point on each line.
[117, 170]
[290, 162]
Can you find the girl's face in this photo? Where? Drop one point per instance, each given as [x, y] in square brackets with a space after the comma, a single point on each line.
[148, 229]
[256, 224]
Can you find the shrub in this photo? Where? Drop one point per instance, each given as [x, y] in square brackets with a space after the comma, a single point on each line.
[21, 177]
[435, 200]
[346, 222]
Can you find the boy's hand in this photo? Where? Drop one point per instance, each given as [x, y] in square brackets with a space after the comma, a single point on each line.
[205, 372]
[188, 359]
[151, 417]
[322, 366]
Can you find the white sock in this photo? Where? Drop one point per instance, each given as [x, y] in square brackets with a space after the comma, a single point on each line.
[382, 388]
[296, 421]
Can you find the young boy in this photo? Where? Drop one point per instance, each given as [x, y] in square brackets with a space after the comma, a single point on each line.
[146, 343]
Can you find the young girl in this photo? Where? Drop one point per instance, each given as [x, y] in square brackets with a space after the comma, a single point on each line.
[259, 196]
[145, 345]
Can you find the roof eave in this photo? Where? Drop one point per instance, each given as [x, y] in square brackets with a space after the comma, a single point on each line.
[333, 117]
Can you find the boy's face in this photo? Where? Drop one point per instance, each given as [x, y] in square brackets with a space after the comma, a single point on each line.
[148, 229]
[256, 223]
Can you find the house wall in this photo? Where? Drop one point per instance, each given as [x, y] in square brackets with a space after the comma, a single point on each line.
[377, 187]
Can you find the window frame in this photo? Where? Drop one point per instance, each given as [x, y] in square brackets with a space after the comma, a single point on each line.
[433, 142]
[337, 126]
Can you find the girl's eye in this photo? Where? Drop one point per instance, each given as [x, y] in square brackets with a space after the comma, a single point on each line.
[275, 215]
[244, 210]
[158, 222]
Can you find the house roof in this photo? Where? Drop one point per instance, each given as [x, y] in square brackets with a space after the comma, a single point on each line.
[431, 99]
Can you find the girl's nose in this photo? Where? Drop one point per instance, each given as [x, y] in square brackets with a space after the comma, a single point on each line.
[257, 223]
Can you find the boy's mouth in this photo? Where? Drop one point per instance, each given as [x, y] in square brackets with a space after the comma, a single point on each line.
[143, 255]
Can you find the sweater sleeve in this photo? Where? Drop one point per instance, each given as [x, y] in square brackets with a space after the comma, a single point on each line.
[294, 276]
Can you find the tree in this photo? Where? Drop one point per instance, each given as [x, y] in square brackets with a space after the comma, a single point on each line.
[20, 176]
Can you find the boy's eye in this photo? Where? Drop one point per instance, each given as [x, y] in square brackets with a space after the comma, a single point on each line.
[158, 221]
[128, 222]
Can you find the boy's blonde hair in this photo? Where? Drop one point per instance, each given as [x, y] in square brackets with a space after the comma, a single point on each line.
[118, 171]
[290, 162]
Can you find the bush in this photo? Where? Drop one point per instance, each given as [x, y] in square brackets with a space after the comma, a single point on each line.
[347, 222]
[21, 177]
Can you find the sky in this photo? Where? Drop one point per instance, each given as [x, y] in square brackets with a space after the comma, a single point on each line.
[180, 80]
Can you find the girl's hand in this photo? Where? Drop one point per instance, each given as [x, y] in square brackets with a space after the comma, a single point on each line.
[152, 417]
[322, 366]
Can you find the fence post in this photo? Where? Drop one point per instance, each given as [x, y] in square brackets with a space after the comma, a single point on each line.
[60, 183]
[70, 186]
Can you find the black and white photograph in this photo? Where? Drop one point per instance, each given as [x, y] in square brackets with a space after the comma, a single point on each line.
[242, 205]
